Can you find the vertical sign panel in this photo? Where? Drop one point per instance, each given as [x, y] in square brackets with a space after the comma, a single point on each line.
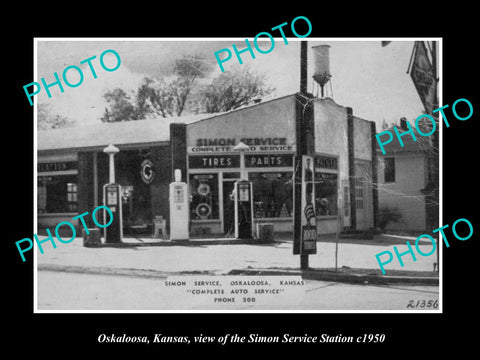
[309, 220]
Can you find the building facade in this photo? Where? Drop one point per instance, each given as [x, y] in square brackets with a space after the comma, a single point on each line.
[405, 177]
[72, 167]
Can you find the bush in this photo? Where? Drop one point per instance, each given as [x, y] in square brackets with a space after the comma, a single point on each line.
[387, 216]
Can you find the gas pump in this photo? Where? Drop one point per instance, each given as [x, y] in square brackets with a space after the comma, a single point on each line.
[112, 198]
[243, 209]
[179, 208]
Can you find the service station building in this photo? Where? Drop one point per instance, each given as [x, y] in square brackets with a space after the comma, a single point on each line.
[72, 167]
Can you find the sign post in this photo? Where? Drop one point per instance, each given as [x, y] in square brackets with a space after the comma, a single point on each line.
[424, 76]
[339, 209]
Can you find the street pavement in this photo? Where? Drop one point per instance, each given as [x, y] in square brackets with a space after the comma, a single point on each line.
[61, 291]
[220, 259]
[133, 277]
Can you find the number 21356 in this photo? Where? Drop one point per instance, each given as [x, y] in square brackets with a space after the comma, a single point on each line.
[423, 304]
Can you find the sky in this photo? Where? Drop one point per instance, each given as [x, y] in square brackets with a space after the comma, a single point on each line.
[367, 77]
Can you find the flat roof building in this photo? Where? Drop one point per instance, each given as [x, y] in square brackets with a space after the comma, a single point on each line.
[72, 167]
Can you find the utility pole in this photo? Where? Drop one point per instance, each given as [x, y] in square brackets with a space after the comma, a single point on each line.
[305, 231]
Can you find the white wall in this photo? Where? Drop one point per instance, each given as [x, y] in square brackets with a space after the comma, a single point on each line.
[275, 118]
[331, 137]
[404, 194]
[362, 132]
[362, 139]
[331, 132]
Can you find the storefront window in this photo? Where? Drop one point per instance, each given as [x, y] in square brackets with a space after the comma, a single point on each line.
[204, 192]
[346, 198]
[272, 194]
[72, 196]
[326, 193]
[389, 170]
[57, 194]
[42, 197]
[359, 193]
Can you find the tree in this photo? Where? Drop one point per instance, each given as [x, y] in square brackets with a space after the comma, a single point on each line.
[183, 93]
[121, 107]
[188, 70]
[154, 96]
[45, 120]
[232, 89]
[159, 97]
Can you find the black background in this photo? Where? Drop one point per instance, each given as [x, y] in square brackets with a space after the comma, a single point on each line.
[68, 335]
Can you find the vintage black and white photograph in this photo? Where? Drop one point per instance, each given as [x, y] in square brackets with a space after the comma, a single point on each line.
[270, 174]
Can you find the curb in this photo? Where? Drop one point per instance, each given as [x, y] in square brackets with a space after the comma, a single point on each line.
[352, 278]
[321, 275]
[178, 243]
[144, 273]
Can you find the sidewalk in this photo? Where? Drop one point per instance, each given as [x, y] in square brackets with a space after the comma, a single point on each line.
[151, 257]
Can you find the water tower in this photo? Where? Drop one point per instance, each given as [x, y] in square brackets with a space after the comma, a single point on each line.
[321, 60]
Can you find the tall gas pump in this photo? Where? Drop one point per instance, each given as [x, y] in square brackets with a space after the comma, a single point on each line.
[243, 191]
[179, 208]
[112, 198]
[243, 209]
